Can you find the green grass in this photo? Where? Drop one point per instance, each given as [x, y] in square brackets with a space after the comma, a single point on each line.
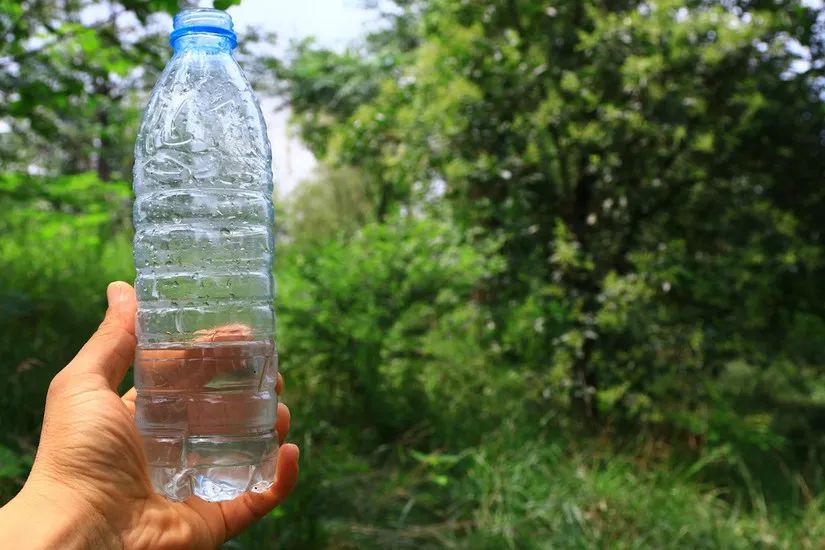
[521, 494]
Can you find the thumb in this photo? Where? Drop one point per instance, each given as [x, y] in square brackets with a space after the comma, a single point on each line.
[111, 349]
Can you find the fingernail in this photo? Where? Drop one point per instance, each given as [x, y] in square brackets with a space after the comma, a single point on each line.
[114, 293]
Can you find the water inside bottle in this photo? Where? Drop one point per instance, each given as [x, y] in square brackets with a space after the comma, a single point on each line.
[206, 413]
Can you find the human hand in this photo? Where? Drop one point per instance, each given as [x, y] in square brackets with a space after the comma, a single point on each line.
[89, 485]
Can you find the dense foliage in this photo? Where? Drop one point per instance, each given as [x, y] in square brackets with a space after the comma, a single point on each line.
[555, 284]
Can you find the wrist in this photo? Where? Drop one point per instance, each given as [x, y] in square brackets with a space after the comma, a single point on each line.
[51, 518]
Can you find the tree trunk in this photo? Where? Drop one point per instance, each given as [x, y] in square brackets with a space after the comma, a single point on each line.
[586, 285]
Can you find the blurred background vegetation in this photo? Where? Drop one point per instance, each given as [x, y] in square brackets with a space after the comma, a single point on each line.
[558, 282]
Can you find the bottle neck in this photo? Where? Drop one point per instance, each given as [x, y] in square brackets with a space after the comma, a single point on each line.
[203, 41]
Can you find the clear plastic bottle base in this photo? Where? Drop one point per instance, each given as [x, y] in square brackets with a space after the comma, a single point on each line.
[206, 413]
[212, 482]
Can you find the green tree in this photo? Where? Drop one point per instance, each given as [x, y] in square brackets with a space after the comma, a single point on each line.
[332, 201]
[652, 171]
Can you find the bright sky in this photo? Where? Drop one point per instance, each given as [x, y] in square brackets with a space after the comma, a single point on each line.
[333, 22]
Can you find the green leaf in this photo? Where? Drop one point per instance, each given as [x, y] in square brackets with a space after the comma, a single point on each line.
[88, 41]
[224, 4]
[440, 479]
[11, 465]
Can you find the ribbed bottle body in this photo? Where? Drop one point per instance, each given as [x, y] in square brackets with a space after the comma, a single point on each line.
[206, 365]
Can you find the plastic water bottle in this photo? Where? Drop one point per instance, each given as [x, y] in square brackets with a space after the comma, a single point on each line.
[206, 366]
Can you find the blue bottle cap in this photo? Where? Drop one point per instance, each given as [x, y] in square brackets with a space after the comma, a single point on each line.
[203, 20]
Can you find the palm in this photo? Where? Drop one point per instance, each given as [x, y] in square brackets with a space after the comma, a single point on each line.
[90, 438]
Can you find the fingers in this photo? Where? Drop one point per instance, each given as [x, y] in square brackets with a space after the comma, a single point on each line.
[210, 355]
[279, 384]
[225, 333]
[129, 400]
[241, 512]
[282, 422]
[111, 349]
[286, 476]
[284, 418]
